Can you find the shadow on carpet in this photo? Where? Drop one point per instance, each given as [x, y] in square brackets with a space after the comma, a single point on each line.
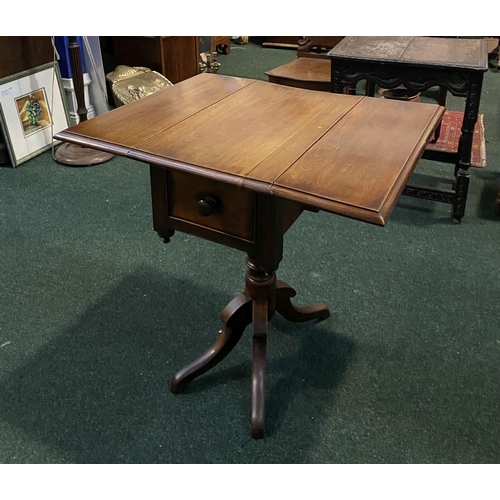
[97, 393]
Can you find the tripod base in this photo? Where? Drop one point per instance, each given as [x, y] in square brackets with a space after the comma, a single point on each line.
[79, 156]
[263, 296]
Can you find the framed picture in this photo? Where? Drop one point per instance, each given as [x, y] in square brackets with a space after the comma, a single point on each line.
[32, 110]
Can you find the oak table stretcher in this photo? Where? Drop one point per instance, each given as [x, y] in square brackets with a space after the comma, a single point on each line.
[236, 161]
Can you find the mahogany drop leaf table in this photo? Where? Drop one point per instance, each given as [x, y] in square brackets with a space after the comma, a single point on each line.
[236, 161]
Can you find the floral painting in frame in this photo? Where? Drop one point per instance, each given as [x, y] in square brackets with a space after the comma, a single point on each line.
[32, 110]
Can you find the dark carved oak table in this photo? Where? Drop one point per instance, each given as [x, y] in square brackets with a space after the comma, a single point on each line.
[236, 161]
[418, 63]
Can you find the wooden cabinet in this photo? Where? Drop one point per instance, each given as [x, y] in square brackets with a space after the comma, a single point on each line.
[19, 53]
[175, 57]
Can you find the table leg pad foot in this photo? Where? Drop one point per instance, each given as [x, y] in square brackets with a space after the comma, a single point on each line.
[284, 306]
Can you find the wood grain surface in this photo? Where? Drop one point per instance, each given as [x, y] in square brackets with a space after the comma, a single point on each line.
[233, 213]
[456, 52]
[361, 160]
[464, 53]
[259, 121]
[129, 125]
[303, 72]
[349, 155]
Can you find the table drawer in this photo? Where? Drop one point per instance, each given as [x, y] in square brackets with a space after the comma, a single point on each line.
[212, 204]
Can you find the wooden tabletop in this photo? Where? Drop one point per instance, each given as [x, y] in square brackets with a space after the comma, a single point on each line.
[427, 51]
[304, 69]
[349, 155]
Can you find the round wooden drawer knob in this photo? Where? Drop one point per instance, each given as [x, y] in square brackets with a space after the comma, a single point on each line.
[207, 205]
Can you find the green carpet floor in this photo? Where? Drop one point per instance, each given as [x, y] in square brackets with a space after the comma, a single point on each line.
[96, 312]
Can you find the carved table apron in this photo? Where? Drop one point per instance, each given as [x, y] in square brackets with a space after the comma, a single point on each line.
[418, 63]
[286, 150]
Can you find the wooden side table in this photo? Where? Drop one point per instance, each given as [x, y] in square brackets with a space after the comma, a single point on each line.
[304, 73]
[419, 63]
[175, 57]
[311, 70]
[288, 150]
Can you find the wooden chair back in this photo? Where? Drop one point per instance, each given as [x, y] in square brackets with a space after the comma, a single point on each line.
[317, 46]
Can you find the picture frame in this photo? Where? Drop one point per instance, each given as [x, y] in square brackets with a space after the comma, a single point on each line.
[32, 110]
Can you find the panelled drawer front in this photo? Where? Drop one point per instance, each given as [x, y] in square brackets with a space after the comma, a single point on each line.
[211, 204]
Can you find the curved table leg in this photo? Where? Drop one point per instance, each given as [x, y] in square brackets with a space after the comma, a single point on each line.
[257, 305]
[237, 315]
[284, 306]
[260, 314]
